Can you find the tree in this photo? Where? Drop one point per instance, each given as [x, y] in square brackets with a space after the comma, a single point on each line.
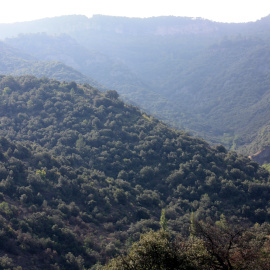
[163, 220]
[112, 94]
[154, 251]
[226, 246]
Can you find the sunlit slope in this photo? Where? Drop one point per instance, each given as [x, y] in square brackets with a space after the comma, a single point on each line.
[82, 173]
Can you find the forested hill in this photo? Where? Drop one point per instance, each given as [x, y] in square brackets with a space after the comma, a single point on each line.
[15, 62]
[206, 77]
[227, 88]
[82, 174]
[63, 58]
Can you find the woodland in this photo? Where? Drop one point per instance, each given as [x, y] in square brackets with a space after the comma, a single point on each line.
[124, 143]
[83, 175]
[208, 78]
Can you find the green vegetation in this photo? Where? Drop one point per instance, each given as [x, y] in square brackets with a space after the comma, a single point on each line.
[16, 62]
[210, 246]
[205, 77]
[82, 175]
[266, 166]
[89, 182]
[228, 93]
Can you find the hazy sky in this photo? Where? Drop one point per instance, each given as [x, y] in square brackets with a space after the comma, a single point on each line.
[217, 10]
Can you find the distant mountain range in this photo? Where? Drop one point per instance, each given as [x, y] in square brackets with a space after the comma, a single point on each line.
[209, 78]
[16, 62]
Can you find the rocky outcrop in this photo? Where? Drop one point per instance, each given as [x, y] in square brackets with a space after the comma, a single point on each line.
[262, 156]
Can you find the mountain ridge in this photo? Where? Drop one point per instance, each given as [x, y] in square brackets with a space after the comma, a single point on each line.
[16, 62]
[158, 72]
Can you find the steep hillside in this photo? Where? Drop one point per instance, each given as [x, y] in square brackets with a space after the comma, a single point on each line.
[207, 77]
[63, 48]
[82, 174]
[16, 62]
[227, 88]
[113, 74]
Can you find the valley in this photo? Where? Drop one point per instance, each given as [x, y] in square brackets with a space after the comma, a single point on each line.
[192, 74]
[119, 132]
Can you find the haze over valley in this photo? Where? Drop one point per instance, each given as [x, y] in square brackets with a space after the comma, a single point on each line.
[124, 143]
[205, 77]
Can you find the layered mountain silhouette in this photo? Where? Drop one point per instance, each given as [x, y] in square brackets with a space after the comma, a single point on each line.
[206, 77]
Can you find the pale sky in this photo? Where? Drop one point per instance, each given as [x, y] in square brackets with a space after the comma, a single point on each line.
[216, 10]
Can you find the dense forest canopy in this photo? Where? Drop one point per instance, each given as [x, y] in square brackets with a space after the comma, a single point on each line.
[82, 174]
[205, 77]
